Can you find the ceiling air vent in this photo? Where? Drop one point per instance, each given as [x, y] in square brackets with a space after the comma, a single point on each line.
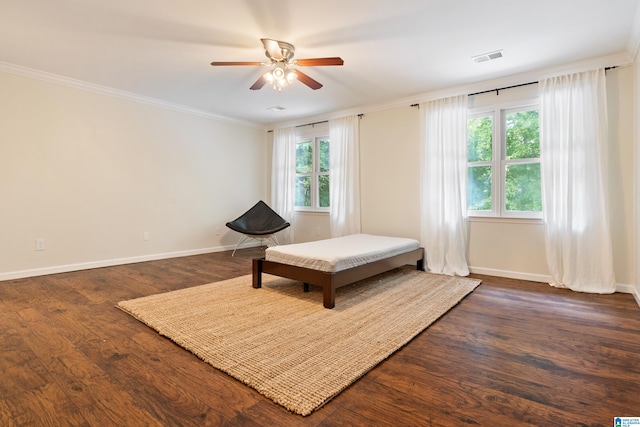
[487, 56]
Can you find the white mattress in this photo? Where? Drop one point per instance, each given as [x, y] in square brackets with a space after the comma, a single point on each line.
[340, 253]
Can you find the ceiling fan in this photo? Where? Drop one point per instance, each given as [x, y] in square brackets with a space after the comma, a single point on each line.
[281, 60]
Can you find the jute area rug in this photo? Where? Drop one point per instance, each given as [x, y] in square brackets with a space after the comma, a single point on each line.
[282, 342]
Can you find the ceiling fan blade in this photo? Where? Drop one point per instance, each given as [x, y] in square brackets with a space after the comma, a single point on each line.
[313, 84]
[259, 83]
[311, 62]
[273, 48]
[218, 63]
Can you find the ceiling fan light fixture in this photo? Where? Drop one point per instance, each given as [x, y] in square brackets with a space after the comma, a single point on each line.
[278, 71]
[279, 75]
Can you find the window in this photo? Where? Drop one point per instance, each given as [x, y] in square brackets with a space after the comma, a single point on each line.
[503, 169]
[312, 174]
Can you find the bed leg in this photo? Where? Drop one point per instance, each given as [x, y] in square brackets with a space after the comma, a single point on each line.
[329, 296]
[420, 264]
[305, 287]
[257, 272]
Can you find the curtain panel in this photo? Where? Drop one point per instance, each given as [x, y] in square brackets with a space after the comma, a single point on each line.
[573, 146]
[283, 176]
[344, 175]
[444, 232]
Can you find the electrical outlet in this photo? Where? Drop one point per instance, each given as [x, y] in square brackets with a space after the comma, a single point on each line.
[146, 235]
[39, 244]
[217, 230]
[317, 231]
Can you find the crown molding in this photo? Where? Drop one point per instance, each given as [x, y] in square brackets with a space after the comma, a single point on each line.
[511, 80]
[104, 90]
[515, 79]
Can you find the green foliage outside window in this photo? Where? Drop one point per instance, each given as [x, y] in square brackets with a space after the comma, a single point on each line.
[479, 149]
[523, 191]
[522, 180]
[480, 139]
[303, 191]
[323, 178]
[523, 135]
[304, 166]
[324, 155]
[323, 191]
[479, 188]
[307, 171]
[304, 157]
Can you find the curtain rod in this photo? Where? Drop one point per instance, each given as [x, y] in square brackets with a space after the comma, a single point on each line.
[315, 123]
[497, 91]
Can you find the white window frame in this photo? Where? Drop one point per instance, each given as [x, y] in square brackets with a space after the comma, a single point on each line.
[499, 162]
[315, 174]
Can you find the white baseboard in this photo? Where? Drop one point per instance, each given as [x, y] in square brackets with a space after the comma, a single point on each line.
[629, 289]
[11, 275]
[636, 295]
[620, 287]
[625, 288]
[511, 274]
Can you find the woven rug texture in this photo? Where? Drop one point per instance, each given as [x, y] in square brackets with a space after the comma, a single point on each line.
[283, 343]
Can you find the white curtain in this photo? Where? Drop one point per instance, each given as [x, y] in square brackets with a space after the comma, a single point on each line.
[283, 175]
[444, 182]
[573, 138]
[344, 175]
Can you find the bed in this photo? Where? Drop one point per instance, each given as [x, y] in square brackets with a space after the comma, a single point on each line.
[337, 262]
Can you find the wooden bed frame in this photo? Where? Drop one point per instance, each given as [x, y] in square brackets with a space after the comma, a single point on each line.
[332, 281]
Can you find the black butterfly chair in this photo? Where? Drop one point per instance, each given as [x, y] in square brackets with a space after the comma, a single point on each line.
[260, 223]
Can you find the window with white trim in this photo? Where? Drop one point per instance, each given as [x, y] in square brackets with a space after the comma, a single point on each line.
[312, 174]
[503, 169]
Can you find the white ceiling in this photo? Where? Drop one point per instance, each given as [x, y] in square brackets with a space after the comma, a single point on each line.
[392, 49]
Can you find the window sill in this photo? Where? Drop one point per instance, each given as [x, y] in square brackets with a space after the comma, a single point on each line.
[311, 212]
[511, 220]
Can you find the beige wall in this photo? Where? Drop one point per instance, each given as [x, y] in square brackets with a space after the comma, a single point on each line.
[390, 172]
[90, 173]
[636, 91]
[622, 169]
[390, 168]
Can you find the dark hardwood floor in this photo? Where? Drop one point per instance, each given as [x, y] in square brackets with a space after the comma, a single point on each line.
[512, 353]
